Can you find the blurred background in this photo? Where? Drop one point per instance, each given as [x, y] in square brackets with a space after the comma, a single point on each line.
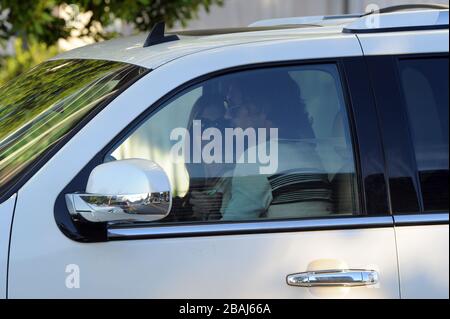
[32, 31]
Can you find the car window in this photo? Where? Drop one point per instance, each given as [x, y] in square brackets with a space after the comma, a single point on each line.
[271, 143]
[41, 106]
[425, 86]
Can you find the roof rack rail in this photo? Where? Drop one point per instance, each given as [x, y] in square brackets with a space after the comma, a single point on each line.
[157, 35]
[403, 7]
[302, 20]
[208, 32]
[400, 21]
[343, 16]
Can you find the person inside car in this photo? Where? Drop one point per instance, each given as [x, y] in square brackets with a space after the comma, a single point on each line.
[299, 186]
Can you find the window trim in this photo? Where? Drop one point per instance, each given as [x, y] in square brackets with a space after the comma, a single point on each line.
[273, 226]
[84, 232]
[247, 228]
[371, 161]
[394, 128]
[437, 218]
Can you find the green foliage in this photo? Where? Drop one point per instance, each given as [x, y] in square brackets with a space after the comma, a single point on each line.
[145, 13]
[37, 26]
[36, 19]
[24, 59]
[31, 19]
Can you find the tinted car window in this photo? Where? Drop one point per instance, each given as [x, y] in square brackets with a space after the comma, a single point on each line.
[271, 143]
[38, 108]
[425, 86]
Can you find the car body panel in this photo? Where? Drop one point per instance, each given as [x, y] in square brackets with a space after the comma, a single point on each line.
[242, 266]
[423, 254]
[6, 215]
[407, 42]
[131, 50]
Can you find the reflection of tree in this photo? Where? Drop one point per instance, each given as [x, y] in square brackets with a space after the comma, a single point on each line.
[39, 107]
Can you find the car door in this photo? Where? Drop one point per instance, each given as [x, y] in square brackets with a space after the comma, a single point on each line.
[6, 213]
[327, 222]
[412, 93]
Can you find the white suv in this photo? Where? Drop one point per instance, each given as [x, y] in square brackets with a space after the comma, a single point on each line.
[295, 158]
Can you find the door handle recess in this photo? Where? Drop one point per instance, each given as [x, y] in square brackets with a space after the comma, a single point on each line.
[333, 278]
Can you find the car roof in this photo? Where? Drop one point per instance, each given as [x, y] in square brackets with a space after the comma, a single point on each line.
[131, 49]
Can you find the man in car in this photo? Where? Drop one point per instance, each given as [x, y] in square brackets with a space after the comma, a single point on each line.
[299, 186]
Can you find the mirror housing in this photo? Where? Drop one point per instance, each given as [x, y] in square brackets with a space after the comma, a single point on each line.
[132, 190]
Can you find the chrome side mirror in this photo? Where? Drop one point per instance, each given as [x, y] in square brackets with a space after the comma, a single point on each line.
[133, 190]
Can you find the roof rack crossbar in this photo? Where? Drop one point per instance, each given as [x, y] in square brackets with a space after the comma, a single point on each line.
[157, 35]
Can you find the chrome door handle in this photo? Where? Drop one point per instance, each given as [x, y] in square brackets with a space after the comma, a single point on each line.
[333, 278]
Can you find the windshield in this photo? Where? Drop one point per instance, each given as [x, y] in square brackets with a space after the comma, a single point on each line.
[38, 108]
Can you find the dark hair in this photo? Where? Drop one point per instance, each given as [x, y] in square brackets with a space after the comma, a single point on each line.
[202, 104]
[280, 97]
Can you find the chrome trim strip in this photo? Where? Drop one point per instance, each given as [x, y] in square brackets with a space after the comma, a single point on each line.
[218, 229]
[422, 219]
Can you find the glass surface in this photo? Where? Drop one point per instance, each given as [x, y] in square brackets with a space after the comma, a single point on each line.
[425, 86]
[41, 106]
[271, 143]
